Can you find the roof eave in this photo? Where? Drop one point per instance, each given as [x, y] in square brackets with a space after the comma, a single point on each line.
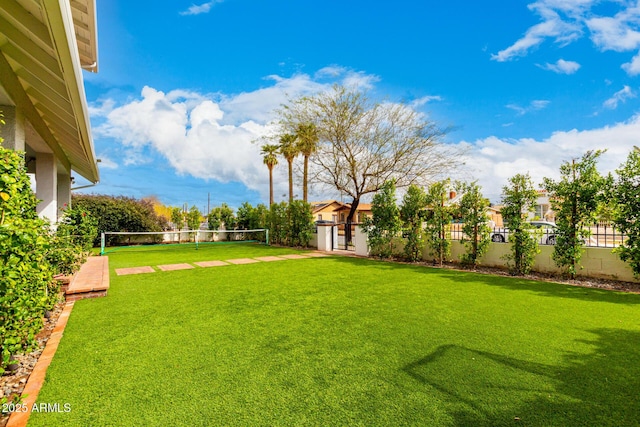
[58, 12]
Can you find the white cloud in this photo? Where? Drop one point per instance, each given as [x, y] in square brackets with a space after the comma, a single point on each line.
[535, 105]
[632, 68]
[562, 67]
[106, 162]
[565, 21]
[493, 161]
[211, 137]
[420, 102]
[188, 132]
[620, 96]
[614, 33]
[101, 108]
[201, 8]
[552, 26]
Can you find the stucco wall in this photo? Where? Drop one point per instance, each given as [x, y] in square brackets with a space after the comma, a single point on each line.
[596, 262]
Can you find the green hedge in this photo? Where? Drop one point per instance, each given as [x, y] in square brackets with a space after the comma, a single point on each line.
[27, 289]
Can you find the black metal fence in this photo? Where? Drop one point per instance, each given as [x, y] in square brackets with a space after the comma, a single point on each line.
[601, 235]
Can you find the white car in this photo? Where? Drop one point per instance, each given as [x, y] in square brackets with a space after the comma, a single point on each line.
[547, 233]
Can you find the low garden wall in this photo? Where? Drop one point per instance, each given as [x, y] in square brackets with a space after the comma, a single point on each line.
[596, 262]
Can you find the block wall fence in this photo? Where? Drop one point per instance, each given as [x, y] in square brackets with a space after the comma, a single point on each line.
[596, 262]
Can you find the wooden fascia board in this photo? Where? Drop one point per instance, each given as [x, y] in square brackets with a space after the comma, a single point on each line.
[60, 20]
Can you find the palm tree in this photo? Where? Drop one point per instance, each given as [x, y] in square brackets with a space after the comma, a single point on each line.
[289, 150]
[270, 158]
[307, 134]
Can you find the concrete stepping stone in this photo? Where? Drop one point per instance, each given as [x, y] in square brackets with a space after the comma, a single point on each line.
[242, 261]
[294, 256]
[173, 267]
[134, 270]
[211, 263]
[316, 254]
[269, 258]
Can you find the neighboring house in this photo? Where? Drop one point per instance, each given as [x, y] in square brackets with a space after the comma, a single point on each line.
[495, 217]
[44, 46]
[542, 210]
[333, 210]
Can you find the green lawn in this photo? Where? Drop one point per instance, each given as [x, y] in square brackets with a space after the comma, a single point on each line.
[343, 341]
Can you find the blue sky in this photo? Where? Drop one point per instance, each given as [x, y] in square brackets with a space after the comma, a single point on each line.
[183, 88]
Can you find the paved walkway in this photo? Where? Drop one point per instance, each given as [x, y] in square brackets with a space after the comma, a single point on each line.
[217, 263]
[91, 281]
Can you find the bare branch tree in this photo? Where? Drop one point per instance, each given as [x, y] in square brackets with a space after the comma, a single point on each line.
[362, 144]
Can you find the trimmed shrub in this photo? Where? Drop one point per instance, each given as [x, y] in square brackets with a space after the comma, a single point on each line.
[27, 289]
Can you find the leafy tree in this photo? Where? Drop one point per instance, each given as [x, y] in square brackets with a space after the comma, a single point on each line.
[278, 219]
[476, 232]
[289, 150]
[438, 222]
[79, 226]
[194, 218]
[307, 136]
[300, 223]
[363, 144]
[252, 218]
[244, 216]
[412, 213]
[270, 158]
[575, 199]
[519, 199]
[221, 217]
[385, 223]
[177, 217]
[626, 193]
[159, 208]
[119, 213]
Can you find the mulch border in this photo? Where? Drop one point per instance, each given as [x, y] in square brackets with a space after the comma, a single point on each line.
[37, 376]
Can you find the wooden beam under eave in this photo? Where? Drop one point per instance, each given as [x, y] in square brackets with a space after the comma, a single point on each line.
[14, 89]
[28, 46]
[13, 10]
[29, 70]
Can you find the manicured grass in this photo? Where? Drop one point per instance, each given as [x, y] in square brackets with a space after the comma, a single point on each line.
[340, 341]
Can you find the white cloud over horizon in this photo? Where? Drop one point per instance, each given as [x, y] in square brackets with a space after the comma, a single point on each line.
[212, 137]
[493, 160]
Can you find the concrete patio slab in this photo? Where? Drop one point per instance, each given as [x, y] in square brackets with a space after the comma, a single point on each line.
[134, 270]
[269, 258]
[316, 254]
[211, 263]
[242, 261]
[173, 267]
[294, 256]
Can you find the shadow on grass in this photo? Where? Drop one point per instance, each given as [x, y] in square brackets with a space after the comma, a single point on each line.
[485, 389]
[550, 289]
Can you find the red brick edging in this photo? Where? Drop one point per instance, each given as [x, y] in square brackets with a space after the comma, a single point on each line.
[36, 379]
